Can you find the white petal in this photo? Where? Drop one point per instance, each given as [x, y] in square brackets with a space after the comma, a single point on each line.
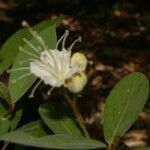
[44, 74]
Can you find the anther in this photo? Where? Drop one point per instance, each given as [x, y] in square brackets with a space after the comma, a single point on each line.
[24, 23]
[64, 36]
[79, 38]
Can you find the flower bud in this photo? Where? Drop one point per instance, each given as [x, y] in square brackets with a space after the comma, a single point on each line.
[77, 82]
[78, 59]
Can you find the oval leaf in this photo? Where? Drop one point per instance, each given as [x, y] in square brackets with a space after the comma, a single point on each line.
[18, 88]
[59, 118]
[4, 122]
[35, 128]
[52, 141]
[124, 103]
[16, 116]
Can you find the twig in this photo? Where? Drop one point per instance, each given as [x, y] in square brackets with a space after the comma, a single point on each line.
[6, 143]
[77, 114]
[110, 147]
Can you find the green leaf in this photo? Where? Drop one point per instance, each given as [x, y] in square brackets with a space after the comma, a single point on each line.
[3, 108]
[124, 103]
[4, 94]
[9, 50]
[35, 128]
[18, 88]
[142, 148]
[52, 141]
[59, 118]
[4, 122]
[4, 126]
[16, 116]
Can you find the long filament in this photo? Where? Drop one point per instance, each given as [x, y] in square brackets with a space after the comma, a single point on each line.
[34, 89]
[21, 77]
[64, 40]
[50, 91]
[40, 40]
[26, 61]
[31, 45]
[29, 53]
[17, 69]
[63, 36]
[35, 34]
[77, 40]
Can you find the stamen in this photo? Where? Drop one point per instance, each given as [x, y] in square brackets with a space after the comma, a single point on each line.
[51, 70]
[45, 59]
[34, 89]
[21, 77]
[33, 47]
[35, 34]
[54, 60]
[77, 40]
[50, 91]
[64, 40]
[50, 56]
[40, 40]
[25, 61]
[29, 53]
[17, 69]
[63, 36]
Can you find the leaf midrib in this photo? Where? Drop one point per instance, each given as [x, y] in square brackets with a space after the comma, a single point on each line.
[122, 116]
[63, 124]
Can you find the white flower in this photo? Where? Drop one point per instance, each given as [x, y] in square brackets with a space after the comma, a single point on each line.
[53, 66]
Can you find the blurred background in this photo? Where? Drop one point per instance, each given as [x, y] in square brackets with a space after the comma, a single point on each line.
[115, 36]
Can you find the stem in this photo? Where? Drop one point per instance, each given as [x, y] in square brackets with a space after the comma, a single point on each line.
[10, 110]
[110, 147]
[77, 114]
[6, 143]
[116, 142]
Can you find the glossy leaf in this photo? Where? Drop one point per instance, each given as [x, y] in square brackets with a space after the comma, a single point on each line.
[4, 122]
[52, 141]
[59, 118]
[9, 50]
[3, 108]
[18, 88]
[124, 103]
[35, 128]
[4, 126]
[16, 116]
